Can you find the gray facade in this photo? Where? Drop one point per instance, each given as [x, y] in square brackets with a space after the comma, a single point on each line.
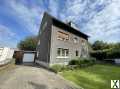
[43, 48]
[52, 50]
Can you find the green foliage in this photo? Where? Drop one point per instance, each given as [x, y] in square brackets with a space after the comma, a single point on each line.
[106, 54]
[102, 50]
[58, 68]
[74, 62]
[100, 45]
[28, 43]
[93, 77]
[81, 62]
[100, 54]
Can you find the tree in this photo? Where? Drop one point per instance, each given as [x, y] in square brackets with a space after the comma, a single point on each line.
[28, 44]
[100, 45]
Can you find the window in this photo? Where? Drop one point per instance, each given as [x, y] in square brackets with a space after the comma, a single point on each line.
[59, 52]
[66, 52]
[76, 52]
[62, 52]
[62, 36]
[83, 42]
[75, 40]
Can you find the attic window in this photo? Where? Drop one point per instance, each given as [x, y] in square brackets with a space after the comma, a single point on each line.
[75, 40]
[62, 36]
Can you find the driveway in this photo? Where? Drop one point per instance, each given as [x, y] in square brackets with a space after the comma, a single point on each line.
[27, 77]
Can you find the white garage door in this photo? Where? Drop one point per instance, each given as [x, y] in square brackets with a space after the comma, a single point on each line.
[28, 57]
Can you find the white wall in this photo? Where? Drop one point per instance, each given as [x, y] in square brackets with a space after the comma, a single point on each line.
[5, 54]
[117, 61]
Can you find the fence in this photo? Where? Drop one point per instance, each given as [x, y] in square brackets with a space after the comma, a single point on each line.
[6, 55]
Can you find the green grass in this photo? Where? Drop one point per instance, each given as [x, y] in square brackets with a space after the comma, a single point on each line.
[93, 77]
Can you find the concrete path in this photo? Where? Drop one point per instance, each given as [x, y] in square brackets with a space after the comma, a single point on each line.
[27, 77]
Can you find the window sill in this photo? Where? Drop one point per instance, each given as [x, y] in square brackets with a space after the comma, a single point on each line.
[62, 57]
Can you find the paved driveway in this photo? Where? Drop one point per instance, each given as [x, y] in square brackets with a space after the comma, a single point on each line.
[27, 77]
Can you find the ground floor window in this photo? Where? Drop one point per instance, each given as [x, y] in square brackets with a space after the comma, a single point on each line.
[77, 53]
[62, 52]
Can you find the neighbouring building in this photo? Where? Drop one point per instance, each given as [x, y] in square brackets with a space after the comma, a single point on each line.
[60, 42]
[6, 54]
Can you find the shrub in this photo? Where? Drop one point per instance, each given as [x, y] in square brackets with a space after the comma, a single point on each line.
[106, 54]
[100, 55]
[81, 62]
[92, 60]
[58, 68]
[74, 62]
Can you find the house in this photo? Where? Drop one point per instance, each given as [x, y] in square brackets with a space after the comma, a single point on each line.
[59, 42]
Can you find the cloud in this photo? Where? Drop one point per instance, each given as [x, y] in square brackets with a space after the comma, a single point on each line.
[30, 17]
[98, 18]
[81, 12]
[7, 37]
[6, 32]
[53, 7]
[105, 25]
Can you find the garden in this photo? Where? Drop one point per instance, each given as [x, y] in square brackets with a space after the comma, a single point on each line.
[88, 74]
[93, 72]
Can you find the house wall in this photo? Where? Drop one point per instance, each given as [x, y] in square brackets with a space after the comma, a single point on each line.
[55, 43]
[43, 48]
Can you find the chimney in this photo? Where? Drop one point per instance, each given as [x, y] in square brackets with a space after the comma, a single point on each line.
[69, 23]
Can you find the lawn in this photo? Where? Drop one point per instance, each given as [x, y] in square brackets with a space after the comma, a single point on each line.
[93, 77]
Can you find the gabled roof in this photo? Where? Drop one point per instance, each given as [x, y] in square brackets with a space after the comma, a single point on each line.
[66, 26]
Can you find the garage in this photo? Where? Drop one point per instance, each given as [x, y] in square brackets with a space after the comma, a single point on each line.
[24, 56]
[28, 57]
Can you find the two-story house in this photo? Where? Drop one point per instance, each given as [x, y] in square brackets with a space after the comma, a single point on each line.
[59, 42]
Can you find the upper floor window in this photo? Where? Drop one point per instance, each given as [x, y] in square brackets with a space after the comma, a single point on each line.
[62, 36]
[83, 42]
[75, 40]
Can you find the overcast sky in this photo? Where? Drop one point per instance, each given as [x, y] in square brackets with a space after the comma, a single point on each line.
[100, 19]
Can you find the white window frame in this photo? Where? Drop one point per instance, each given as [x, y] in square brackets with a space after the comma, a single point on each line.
[65, 55]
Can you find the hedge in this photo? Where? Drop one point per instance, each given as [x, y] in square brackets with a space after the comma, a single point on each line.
[82, 62]
[73, 64]
[58, 68]
[106, 54]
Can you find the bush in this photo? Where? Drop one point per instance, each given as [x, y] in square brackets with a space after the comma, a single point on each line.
[92, 60]
[58, 68]
[100, 55]
[81, 62]
[106, 54]
[74, 62]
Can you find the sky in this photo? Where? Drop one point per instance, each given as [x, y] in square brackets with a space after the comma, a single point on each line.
[100, 19]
